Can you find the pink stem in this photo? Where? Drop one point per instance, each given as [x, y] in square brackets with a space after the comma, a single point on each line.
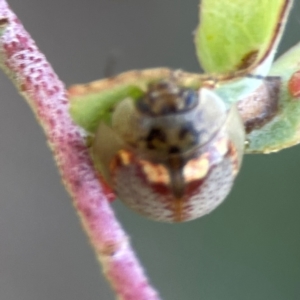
[37, 82]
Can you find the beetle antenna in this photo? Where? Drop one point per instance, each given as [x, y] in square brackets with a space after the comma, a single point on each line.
[111, 63]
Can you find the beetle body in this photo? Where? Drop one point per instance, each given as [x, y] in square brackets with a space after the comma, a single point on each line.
[173, 154]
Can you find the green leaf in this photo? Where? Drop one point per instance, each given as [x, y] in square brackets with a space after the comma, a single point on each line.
[238, 35]
[89, 109]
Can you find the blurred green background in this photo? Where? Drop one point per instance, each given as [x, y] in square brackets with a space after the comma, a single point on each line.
[247, 249]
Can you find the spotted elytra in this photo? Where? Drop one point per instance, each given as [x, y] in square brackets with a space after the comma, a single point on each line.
[172, 154]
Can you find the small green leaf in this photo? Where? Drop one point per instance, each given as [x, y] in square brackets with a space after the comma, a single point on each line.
[89, 109]
[237, 35]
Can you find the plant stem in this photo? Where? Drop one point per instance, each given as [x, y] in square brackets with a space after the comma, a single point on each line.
[39, 85]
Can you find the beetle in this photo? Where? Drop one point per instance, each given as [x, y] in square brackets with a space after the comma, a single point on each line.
[170, 143]
[170, 155]
[171, 151]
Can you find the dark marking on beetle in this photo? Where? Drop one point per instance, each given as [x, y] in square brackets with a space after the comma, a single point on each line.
[175, 165]
[188, 133]
[156, 139]
[174, 150]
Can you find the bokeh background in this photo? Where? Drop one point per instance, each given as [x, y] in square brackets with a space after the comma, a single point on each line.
[249, 248]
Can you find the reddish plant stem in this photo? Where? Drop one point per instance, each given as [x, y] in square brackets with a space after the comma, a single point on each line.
[37, 82]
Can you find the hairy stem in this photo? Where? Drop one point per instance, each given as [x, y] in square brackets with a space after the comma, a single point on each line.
[39, 85]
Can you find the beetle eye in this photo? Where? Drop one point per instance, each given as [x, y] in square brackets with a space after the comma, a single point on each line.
[190, 99]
